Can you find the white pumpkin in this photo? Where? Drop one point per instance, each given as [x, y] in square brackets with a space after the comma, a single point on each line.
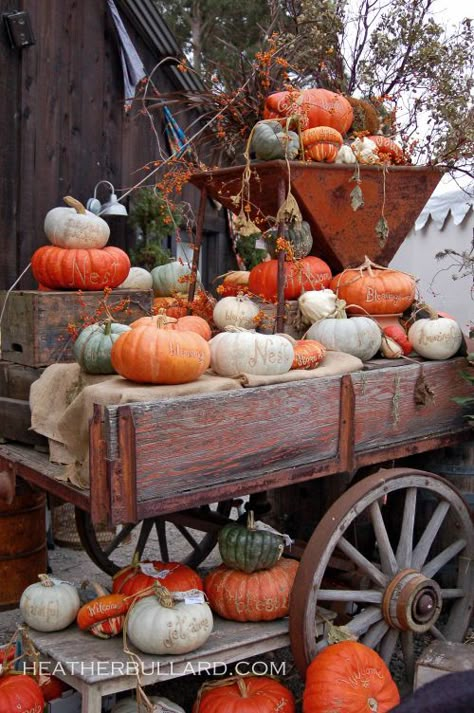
[390, 349]
[242, 352]
[138, 279]
[156, 627]
[237, 311]
[75, 227]
[50, 604]
[436, 338]
[345, 155]
[365, 150]
[171, 278]
[130, 705]
[359, 336]
[317, 304]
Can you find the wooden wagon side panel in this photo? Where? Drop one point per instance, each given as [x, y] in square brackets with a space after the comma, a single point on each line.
[398, 406]
[219, 445]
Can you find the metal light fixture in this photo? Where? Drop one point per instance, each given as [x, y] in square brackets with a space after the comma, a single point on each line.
[111, 207]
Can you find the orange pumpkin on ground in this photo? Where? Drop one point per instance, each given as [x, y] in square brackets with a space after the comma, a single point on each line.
[388, 149]
[371, 289]
[309, 273]
[260, 596]
[349, 677]
[103, 616]
[188, 323]
[321, 143]
[316, 107]
[249, 694]
[176, 577]
[20, 694]
[153, 354]
[81, 269]
[308, 354]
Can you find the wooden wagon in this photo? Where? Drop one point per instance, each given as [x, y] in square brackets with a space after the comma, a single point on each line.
[392, 555]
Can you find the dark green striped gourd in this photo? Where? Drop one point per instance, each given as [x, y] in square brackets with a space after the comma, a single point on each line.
[93, 346]
[299, 235]
[248, 549]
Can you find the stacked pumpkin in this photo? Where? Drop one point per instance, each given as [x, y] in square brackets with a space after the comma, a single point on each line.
[254, 583]
[78, 258]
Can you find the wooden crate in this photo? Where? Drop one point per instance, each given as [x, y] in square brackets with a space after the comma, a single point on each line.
[34, 325]
[292, 322]
[15, 414]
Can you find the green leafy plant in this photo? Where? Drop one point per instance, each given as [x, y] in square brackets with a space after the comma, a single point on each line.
[468, 401]
[155, 218]
[250, 254]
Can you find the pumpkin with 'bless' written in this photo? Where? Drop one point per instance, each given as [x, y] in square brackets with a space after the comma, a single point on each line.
[81, 269]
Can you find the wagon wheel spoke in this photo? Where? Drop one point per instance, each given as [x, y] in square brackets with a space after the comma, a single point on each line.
[389, 642]
[457, 593]
[387, 557]
[119, 538]
[187, 536]
[370, 596]
[160, 527]
[421, 551]
[405, 544]
[437, 634]
[362, 562]
[434, 565]
[375, 634]
[143, 537]
[362, 621]
[408, 649]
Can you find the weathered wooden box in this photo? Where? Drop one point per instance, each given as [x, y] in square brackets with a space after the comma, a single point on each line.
[442, 657]
[35, 323]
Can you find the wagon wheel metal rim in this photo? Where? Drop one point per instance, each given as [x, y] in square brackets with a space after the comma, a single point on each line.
[402, 599]
[102, 554]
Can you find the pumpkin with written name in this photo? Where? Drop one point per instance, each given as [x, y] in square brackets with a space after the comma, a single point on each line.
[249, 694]
[308, 354]
[351, 678]
[93, 346]
[435, 338]
[50, 604]
[105, 615]
[81, 269]
[140, 576]
[259, 596]
[75, 227]
[187, 323]
[20, 694]
[153, 354]
[309, 273]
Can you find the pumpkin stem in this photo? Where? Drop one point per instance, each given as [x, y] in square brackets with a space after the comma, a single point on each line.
[46, 580]
[250, 520]
[340, 309]
[242, 687]
[107, 327]
[163, 595]
[99, 590]
[74, 203]
[162, 319]
[373, 705]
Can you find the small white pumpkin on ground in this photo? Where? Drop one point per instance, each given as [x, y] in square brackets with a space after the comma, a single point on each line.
[237, 351]
[237, 311]
[50, 604]
[75, 227]
[159, 624]
[435, 338]
[359, 336]
[138, 279]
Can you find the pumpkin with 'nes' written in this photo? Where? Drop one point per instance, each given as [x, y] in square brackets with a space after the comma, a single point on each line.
[81, 269]
[351, 678]
[244, 694]
[309, 273]
[259, 596]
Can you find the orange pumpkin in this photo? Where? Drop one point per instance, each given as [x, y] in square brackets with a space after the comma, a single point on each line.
[260, 596]
[388, 149]
[103, 616]
[310, 273]
[20, 694]
[316, 107]
[308, 354]
[252, 694]
[370, 289]
[156, 355]
[174, 576]
[321, 143]
[188, 323]
[51, 686]
[349, 677]
[81, 269]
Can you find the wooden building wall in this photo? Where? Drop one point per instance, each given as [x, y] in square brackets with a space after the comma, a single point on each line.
[63, 126]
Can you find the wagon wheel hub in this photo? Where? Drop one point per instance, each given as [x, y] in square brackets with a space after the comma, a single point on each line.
[412, 602]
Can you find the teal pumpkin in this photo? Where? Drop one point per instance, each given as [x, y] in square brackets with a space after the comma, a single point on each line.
[297, 233]
[171, 278]
[248, 549]
[93, 346]
[270, 141]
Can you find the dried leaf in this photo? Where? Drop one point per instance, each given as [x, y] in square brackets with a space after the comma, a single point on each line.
[244, 226]
[357, 198]
[336, 634]
[381, 230]
[289, 211]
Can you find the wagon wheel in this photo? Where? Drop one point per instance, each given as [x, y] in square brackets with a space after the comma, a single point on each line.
[188, 536]
[399, 598]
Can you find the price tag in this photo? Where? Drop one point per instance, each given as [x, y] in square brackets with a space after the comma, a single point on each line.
[259, 525]
[148, 568]
[192, 596]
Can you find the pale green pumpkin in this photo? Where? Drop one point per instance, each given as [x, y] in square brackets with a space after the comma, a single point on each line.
[93, 346]
[270, 141]
[171, 278]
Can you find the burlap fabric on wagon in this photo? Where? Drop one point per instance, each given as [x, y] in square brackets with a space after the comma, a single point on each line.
[62, 401]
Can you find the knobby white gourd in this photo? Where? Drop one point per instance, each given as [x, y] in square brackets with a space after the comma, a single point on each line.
[345, 155]
[75, 227]
[359, 336]
[365, 150]
[242, 352]
[317, 304]
[158, 625]
[436, 338]
[50, 604]
[138, 279]
[237, 311]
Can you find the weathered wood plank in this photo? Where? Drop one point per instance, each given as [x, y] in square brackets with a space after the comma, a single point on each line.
[15, 423]
[16, 380]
